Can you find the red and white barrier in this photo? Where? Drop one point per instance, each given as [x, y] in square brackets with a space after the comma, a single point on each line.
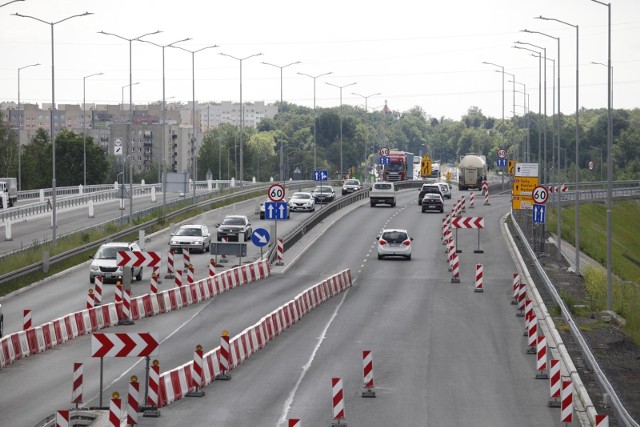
[178, 278]
[485, 188]
[554, 382]
[90, 299]
[26, 320]
[602, 420]
[367, 373]
[541, 358]
[280, 252]
[452, 254]
[97, 293]
[516, 288]
[479, 274]
[294, 422]
[154, 384]
[126, 303]
[170, 267]
[566, 396]
[462, 204]
[153, 283]
[76, 392]
[190, 274]
[337, 396]
[212, 267]
[186, 257]
[522, 294]
[132, 401]
[471, 200]
[62, 418]
[224, 357]
[118, 294]
[115, 411]
[532, 333]
[197, 373]
[455, 269]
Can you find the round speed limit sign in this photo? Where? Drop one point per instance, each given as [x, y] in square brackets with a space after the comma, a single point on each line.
[384, 151]
[540, 195]
[502, 153]
[276, 193]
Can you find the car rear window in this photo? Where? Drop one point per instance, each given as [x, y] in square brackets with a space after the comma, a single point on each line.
[382, 186]
[394, 236]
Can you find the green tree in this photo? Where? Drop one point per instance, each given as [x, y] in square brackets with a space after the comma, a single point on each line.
[8, 150]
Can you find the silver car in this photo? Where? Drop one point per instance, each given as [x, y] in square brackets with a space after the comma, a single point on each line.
[194, 237]
[302, 201]
[445, 189]
[394, 242]
[104, 262]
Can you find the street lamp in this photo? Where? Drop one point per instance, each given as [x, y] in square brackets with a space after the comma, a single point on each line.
[20, 125]
[123, 88]
[281, 105]
[577, 216]
[194, 145]
[341, 87]
[366, 110]
[314, 111]
[84, 126]
[53, 104]
[241, 111]
[558, 123]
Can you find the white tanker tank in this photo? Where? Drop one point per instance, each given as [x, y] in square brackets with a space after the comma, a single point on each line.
[473, 170]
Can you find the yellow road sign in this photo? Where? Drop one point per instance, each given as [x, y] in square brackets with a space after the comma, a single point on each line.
[511, 167]
[524, 185]
[521, 202]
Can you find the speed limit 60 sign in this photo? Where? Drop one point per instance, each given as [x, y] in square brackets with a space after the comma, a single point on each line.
[540, 195]
[276, 193]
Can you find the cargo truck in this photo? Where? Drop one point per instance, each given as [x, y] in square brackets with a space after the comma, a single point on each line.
[473, 170]
[8, 192]
[399, 168]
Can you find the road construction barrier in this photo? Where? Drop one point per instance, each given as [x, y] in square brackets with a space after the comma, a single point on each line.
[115, 410]
[225, 357]
[444, 227]
[153, 284]
[532, 333]
[295, 422]
[541, 358]
[522, 293]
[566, 396]
[197, 376]
[154, 390]
[126, 303]
[186, 257]
[62, 418]
[97, 293]
[554, 383]
[280, 252]
[516, 288]
[479, 273]
[337, 398]
[462, 204]
[76, 391]
[90, 299]
[485, 188]
[190, 273]
[26, 319]
[602, 420]
[471, 200]
[132, 401]
[455, 269]
[177, 280]
[170, 267]
[118, 294]
[451, 255]
[367, 373]
[212, 267]
[528, 309]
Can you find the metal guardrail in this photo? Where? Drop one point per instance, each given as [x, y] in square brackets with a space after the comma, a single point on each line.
[594, 194]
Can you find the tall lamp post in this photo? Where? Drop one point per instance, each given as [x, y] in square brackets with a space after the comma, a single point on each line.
[609, 151]
[241, 111]
[341, 87]
[84, 126]
[539, 56]
[577, 216]
[558, 124]
[366, 110]
[281, 106]
[51, 125]
[194, 145]
[20, 126]
[123, 88]
[314, 111]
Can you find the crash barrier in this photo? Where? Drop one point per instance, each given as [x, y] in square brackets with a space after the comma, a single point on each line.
[176, 383]
[44, 337]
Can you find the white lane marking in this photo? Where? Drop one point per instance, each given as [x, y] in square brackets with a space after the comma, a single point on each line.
[305, 368]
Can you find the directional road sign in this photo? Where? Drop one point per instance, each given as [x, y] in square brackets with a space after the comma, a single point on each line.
[138, 258]
[502, 162]
[385, 160]
[467, 222]
[276, 210]
[139, 344]
[540, 195]
[276, 193]
[320, 175]
[260, 237]
[527, 169]
[539, 212]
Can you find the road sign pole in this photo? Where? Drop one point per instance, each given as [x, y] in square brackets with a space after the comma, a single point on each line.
[101, 377]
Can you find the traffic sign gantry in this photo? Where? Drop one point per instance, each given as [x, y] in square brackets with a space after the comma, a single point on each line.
[138, 259]
[540, 195]
[276, 193]
[139, 344]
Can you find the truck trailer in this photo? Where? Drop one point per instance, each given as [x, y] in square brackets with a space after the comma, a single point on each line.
[473, 170]
[8, 192]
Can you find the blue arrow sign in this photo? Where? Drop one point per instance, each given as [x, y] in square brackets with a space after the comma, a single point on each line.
[385, 160]
[539, 212]
[320, 175]
[260, 237]
[502, 162]
[276, 210]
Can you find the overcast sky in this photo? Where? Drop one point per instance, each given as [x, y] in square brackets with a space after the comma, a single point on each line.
[414, 53]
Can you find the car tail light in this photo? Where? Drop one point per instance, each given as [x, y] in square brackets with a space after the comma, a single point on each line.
[382, 242]
[407, 242]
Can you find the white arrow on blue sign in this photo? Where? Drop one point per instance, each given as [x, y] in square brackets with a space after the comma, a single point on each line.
[385, 160]
[276, 210]
[502, 162]
[539, 212]
[320, 175]
[260, 237]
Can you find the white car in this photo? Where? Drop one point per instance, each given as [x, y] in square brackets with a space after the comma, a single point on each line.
[351, 185]
[104, 262]
[302, 201]
[194, 237]
[394, 242]
[445, 189]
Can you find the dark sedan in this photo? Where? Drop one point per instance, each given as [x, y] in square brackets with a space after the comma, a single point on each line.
[432, 202]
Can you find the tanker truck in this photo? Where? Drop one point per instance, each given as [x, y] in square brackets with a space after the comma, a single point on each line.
[473, 170]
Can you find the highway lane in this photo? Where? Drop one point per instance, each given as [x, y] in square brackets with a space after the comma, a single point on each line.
[443, 354]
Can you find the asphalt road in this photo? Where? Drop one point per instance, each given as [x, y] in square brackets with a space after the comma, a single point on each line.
[443, 354]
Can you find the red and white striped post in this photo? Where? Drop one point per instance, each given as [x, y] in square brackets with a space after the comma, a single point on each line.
[90, 299]
[447, 238]
[280, 252]
[456, 269]
[191, 274]
[197, 374]
[126, 307]
[118, 295]
[153, 284]
[133, 401]
[471, 200]
[479, 273]
[485, 188]
[528, 309]
[337, 395]
[154, 390]
[452, 254]
[532, 333]
[212, 267]
[97, 293]
[62, 418]
[76, 392]
[516, 288]
[170, 268]
[115, 410]
[566, 396]
[224, 258]
[225, 357]
[444, 228]
[554, 383]
[178, 278]
[367, 372]
[522, 294]
[462, 204]
[26, 320]
[186, 257]
[541, 358]
[602, 420]
[294, 422]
